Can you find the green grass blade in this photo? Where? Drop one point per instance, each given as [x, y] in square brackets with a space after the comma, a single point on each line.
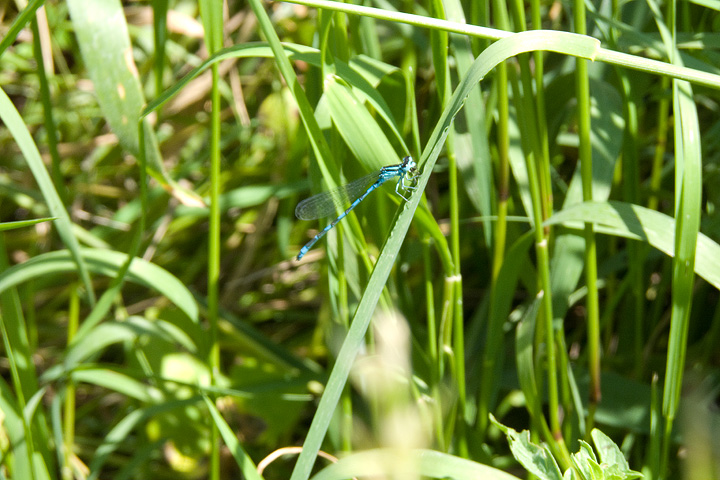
[14, 122]
[688, 188]
[315, 135]
[104, 262]
[23, 223]
[247, 468]
[350, 116]
[31, 437]
[105, 46]
[19, 23]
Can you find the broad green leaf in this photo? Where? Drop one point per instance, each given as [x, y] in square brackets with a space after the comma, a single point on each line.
[105, 262]
[640, 223]
[104, 42]
[358, 128]
[536, 460]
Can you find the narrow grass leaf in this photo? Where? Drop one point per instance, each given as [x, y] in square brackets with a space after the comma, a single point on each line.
[13, 426]
[19, 23]
[247, 467]
[116, 436]
[105, 334]
[117, 382]
[15, 124]
[688, 192]
[105, 262]
[23, 223]
[32, 405]
[351, 117]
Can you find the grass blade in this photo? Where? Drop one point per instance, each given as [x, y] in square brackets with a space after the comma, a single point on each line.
[14, 122]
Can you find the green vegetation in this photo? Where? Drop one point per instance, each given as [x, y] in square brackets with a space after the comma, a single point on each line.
[557, 268]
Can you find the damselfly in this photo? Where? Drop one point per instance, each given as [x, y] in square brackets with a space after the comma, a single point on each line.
[327, 203]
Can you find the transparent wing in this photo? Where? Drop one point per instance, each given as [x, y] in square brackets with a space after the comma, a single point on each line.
[326, 204]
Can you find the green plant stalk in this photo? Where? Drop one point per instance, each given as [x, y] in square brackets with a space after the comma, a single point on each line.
[582, 85]
[160, 10]
[687, 212]
[531, 145]
[69, 404]
[214, 257]
[541, 120]
[340, 37]
[432, 348]
[48, 118]
[543, 266]
[212, 18]
[500, 230]
[656, 431]
[660, 146]
[442, 72]
[458, 323]
[533, 117]
[346, 412]
[503, 147]
[503, 184]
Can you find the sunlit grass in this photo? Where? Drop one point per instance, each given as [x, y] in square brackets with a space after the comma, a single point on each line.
[556, 269]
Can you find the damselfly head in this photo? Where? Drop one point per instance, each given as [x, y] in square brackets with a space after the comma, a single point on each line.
[409, 164]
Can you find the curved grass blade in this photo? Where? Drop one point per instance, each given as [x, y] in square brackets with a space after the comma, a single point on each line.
[14, 122]
[105, 262]
[248, 469]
